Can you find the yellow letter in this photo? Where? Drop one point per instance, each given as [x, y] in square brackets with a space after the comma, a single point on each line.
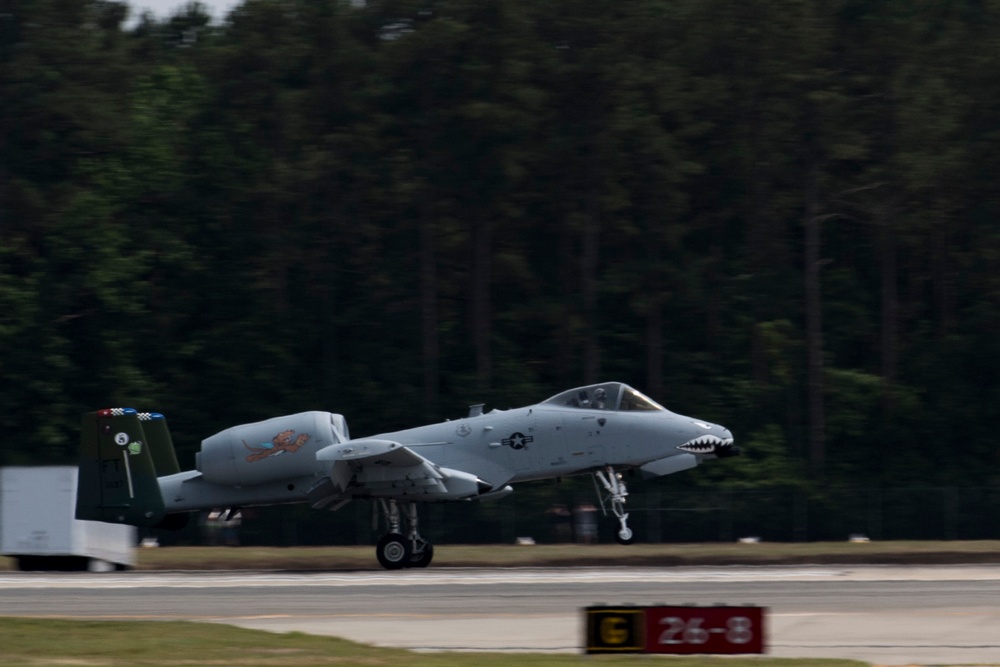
[614, 630]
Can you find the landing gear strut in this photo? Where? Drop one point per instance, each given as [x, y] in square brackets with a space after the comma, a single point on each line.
[395, 550]
[616, 493]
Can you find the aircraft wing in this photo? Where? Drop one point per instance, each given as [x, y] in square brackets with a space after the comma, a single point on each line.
[388, 469]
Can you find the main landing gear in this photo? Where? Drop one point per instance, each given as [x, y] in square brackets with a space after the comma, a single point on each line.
[395, 550]
[616, 493]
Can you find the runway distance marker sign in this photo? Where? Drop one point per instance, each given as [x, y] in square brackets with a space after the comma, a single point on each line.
[682, 630]
[616, 629]
[717, 630]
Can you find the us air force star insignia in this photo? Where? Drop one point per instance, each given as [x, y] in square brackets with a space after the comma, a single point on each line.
[518, 440]
[463, 430]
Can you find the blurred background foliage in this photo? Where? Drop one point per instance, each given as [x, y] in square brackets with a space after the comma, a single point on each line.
[779, 215]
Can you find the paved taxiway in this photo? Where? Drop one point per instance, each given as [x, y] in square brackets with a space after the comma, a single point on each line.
[884, 615]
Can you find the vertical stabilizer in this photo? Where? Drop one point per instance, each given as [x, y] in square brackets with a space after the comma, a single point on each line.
[117, 479]
[161, 445]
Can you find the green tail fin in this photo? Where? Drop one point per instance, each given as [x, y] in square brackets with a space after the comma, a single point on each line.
[117, 479]
[161, 445]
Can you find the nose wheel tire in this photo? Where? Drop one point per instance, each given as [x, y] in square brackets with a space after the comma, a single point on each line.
[614, 484]
[393, 552]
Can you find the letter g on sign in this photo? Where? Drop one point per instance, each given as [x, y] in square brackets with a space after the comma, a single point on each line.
[614, 630]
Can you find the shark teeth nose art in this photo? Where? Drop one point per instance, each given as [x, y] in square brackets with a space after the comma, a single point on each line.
[705, 444]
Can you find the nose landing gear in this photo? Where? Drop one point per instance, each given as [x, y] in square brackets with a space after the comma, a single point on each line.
[616, 493]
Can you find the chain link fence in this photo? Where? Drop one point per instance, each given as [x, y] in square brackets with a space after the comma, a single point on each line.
[656, 515]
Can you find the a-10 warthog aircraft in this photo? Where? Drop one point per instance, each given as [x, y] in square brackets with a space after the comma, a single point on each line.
[129, 471]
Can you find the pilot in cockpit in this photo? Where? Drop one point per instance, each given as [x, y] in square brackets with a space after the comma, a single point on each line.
[582, 399]
[599, 398]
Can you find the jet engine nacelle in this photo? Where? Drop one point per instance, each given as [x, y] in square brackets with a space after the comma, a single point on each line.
[274, 449]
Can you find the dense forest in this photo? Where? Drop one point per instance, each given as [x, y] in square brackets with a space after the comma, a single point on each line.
[781, 216]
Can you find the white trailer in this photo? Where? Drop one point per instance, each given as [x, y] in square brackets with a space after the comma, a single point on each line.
[38, 525]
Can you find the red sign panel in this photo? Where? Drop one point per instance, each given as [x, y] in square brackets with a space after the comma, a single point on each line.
[686, 630]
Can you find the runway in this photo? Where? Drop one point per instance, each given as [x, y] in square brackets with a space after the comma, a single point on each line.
[883, 615]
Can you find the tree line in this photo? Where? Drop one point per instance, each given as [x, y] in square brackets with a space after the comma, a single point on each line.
[780, 216]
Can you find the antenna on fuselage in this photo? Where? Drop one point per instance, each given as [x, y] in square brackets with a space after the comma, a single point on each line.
[476, 410]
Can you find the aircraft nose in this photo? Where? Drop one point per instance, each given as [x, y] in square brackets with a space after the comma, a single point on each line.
[710, 439]
[727, 448]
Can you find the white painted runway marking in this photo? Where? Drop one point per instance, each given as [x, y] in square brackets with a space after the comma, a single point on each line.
[410, 578]
[463, 576]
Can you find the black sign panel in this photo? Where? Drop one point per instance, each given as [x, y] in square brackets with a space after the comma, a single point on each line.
[615, 630]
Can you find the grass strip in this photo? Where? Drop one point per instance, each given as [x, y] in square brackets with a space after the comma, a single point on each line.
[552, 555]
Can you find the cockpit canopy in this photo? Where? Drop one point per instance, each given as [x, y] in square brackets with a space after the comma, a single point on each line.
[614, 396]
